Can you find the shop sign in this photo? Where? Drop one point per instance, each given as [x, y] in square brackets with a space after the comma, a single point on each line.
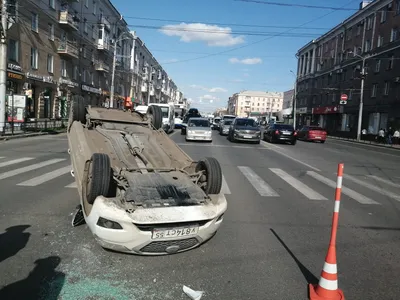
[13, 67]
[301, 110]
[68, 82]
[91, 89]
[48, 79]
[326, 110]
[13, 75]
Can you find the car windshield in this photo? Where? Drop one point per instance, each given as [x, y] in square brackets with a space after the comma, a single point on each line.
[246, 123]
[165, 111]
[228, 122]
[316, 128]
[284, 127]
[217, 121]
[199, 123]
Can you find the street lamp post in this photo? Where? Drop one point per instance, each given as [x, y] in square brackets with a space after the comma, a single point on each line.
[294, 105]
[360, 110]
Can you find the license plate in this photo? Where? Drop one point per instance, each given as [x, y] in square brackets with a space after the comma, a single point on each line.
[247, 136]
[174, 233]
[317, 137]
[286, 133]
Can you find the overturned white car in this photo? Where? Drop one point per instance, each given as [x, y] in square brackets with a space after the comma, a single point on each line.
[139, 192]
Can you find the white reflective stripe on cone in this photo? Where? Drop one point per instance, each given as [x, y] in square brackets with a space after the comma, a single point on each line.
[331, 285]
[330, 268]
[339, 182]
[337, 205]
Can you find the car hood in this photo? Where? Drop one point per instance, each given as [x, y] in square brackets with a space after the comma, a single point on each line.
[247, 128]
[199, 128]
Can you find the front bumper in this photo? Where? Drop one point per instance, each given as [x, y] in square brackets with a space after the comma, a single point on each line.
[198, 137]
[247, 137]
[286, 138]
[135, 237]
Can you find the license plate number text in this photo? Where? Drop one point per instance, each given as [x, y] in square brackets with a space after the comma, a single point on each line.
[174, 233]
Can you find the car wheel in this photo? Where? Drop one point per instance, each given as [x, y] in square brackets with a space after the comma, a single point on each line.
[293, 142]
[258, 142]
[211, 180]
[78, 109]
[155, 113]
[322, 142]
[98, 177]
[183, 132]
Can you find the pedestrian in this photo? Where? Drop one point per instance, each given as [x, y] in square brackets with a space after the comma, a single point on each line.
[396, 137]
[381, 136]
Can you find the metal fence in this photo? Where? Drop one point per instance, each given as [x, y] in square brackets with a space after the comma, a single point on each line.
[365, 138]
[35, 126]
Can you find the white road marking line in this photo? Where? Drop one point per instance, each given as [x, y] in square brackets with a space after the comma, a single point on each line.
[352, 194]
[221, 146]
[46, 177]
[298, 185]
[279, 150]
[388, 182]
[1, 157]
[257, 182]
[71, 185]
[30, 168]
[373, 187]
[225, 188]
[14, 161]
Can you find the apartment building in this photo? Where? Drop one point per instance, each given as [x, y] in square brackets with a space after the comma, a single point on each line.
[246, 103]
[332, 65]
[287, 105]
[150, 82]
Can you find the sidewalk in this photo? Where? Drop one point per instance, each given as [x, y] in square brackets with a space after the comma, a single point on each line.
[21, 134]
[370, 143]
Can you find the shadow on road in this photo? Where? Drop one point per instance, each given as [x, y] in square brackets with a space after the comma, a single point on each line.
[43, 282]
[379, 228]
[310, 277]
[13, 240]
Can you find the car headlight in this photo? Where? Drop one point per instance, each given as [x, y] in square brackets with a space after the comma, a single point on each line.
[208, 132]
[236, 131]
[102, 222]
[190, 131]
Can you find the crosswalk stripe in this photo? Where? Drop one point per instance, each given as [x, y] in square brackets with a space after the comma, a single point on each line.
[14, 161]
[1, 157]
[71, 185]
[298, 185]
[46, 177]
[257, 182]
[225, 188]
[30, 168]
[388, 182]
[373, 187]
[352, 194]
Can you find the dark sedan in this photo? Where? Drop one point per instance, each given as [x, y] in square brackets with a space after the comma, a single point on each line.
[280, 133]
[244, 129]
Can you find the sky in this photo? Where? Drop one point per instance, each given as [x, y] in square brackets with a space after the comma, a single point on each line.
[215, 48]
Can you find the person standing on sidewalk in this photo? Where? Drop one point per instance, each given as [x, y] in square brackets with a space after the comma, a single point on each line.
[396, 137]
[381, 136]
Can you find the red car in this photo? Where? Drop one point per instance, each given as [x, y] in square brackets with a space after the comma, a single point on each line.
[312, 133]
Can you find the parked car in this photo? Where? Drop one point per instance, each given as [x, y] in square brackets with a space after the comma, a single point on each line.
[280, 133]
[312, 133]
[244, 129]
[139, 192]
[224, 127]
[198, 129]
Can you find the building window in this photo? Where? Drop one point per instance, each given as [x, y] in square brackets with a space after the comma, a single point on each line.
[52, 4]
[76, 73]
[86, 3]
[386, 89]
[50, 63]
[35, 22]
[94, 7]
[51, 32]
[63, 68]
[34, 58]
[393, 34]
[383, 15]
[13, 50]
[377, 65]
[367, 46]
[351, 94]
[93, 32]
[391, 62]
[85, 26]
[398, 7]
[84, 75]
[379, 41]
[374, 90]
[359, 29]
[369, 22]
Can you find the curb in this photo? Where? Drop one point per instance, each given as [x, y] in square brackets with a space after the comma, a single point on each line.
[20, 136]
[363, 143]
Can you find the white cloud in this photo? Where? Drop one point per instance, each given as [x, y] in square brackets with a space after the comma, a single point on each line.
[212, 35]
[246, 61]
[246, 74]
[210, 90]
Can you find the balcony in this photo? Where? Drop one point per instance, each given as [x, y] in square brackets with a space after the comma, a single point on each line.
[101, 66]
[68, 49]
[103, 45]
[105, 22]
[68, 20]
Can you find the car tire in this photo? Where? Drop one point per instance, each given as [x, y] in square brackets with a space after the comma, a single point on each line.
[293, 143]
[183, 132]
[156, 116]
[323, 142]
[213, 175]
[78, 109]
[258, 142]
[98, 177]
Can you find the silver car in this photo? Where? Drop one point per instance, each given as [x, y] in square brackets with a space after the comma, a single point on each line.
[198, 129]
[224, 127]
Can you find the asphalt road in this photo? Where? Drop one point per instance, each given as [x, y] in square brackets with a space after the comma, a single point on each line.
[272, 243]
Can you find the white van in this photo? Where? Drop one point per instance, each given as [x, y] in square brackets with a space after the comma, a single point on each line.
[168, 112]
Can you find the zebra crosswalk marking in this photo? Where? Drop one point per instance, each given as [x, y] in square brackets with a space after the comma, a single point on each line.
[385, 181]
[225, 188]
[46, 177]
[14, 161]
[71, 185]
[298, 185]
[373, 187]
[346, 191]
[30, 168]
[258, 183]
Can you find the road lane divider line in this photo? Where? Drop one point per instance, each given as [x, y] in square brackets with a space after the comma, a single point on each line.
[298, 185]
[258, 183]
[46, 177]
[279, 150]
[225, 188]
[71, 185]
[14, 161]
[1, 157]
[30, 168]
[388, 182]
[373, 187]
[348, 192]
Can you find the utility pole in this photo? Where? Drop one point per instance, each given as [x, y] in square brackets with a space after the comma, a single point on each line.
[360, 110]
[3, 65]
[294, 104]
[113, 75]
[150, 74]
